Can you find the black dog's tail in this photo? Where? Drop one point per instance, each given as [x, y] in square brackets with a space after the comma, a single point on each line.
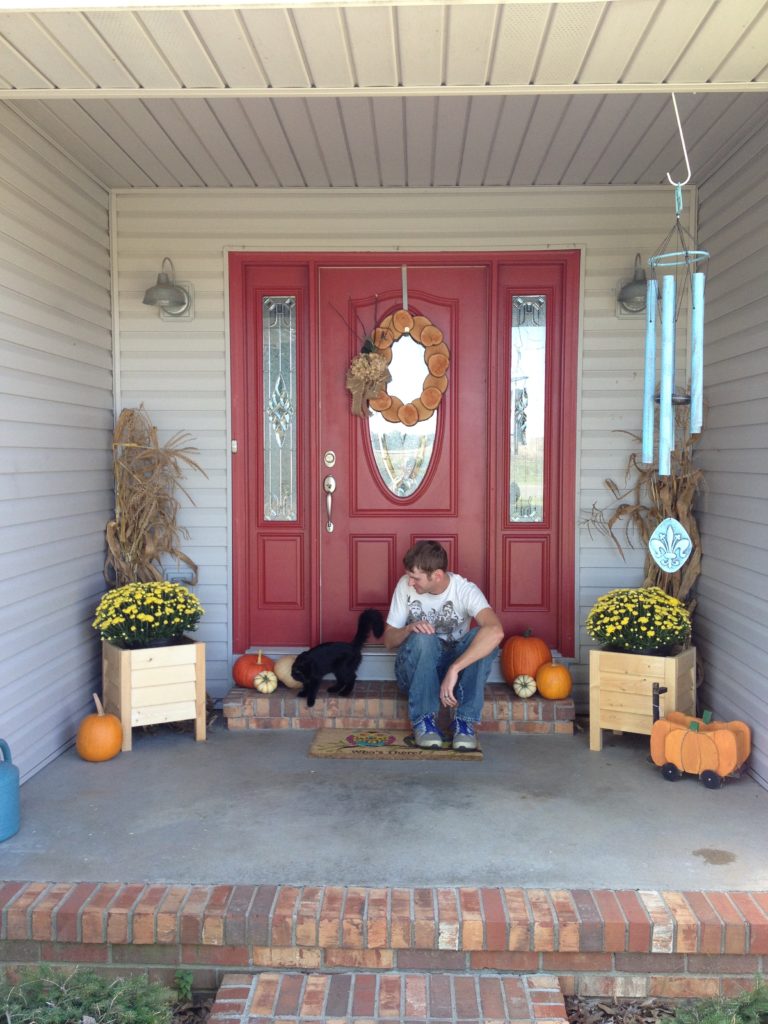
[370, 621]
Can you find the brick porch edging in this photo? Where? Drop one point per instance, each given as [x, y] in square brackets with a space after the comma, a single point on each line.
[598, 942]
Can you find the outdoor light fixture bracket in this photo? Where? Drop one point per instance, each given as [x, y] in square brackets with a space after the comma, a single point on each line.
[173, 298]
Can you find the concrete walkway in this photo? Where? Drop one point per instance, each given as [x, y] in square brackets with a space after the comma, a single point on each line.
[255, 808]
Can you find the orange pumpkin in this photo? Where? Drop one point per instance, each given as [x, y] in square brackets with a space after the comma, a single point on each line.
[523, 656]
[248, 666]
[554, 681]
[100, 736]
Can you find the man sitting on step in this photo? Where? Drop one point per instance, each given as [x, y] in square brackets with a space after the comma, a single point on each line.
[440, 660]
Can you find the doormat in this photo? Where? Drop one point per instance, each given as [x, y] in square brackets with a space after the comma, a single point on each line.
[382, 744]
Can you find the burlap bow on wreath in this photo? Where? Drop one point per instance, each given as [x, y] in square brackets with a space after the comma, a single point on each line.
[367, 377]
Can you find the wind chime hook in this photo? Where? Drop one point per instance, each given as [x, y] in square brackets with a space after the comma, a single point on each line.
[679, 184]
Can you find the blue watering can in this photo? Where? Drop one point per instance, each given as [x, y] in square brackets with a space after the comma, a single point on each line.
[10, 804]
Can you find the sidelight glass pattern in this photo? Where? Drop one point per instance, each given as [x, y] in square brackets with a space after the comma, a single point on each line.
[527, 408]
[279, 390]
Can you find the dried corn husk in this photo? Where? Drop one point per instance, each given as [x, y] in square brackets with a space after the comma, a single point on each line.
[648, 499]
[147, 474]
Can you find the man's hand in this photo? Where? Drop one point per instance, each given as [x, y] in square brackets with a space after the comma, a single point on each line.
[447, 687]
[421, 626]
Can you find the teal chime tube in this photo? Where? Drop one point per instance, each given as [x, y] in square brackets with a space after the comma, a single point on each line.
[697, 351]
[649, 389]
[666, 416]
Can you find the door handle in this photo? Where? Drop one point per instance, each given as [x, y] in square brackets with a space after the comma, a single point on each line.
[329, 486]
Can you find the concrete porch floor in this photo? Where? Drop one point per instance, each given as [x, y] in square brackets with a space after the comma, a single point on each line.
[256, 808]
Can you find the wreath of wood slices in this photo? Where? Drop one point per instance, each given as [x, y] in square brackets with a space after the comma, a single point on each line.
[436, 356]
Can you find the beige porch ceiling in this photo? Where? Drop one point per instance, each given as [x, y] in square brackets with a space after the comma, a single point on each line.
[388, 94]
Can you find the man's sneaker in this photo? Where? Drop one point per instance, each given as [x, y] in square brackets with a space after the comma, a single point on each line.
[464, 735]
[427, 735]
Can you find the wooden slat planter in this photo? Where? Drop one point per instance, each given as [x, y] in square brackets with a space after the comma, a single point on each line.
[154, 685]
[621, 690]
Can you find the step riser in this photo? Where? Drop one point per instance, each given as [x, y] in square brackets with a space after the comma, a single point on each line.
[381, 705]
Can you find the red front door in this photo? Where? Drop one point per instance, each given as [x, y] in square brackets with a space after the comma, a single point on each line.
[375, 517]
[494, 481]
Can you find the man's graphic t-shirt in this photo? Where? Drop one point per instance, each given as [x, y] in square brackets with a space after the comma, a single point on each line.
[450, 612]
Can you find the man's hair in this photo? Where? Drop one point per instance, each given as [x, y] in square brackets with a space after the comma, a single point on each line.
[426, 556]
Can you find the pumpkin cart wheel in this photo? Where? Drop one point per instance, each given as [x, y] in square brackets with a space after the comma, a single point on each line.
[671, 772]
[711, 779]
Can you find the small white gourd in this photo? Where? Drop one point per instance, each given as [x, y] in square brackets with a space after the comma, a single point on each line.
[524, 686]
[265, 682]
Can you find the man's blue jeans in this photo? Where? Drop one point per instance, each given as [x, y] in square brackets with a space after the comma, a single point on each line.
[422, 661]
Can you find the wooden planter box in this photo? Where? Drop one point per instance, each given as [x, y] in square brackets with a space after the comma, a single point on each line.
[621, 690]
[153, 685]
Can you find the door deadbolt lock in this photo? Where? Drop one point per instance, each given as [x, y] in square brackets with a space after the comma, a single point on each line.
[329, 459]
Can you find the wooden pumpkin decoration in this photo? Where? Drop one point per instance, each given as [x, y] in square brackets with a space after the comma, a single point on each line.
[248, 666]
[265, 682]
[282, 670]
[554, 681]
[524, 686]
[523, 656]
[711, 750]
[100, 736]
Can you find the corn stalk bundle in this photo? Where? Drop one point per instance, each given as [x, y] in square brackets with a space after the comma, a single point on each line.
[645, 500]
[147, 475]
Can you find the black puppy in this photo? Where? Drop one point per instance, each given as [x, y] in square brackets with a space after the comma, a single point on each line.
[335, 657]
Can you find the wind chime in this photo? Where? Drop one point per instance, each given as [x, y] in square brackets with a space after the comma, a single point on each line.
[674, 263]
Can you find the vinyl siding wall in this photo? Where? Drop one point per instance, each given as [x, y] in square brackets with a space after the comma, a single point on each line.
[733, 588]
[56, 414]
[179, 369]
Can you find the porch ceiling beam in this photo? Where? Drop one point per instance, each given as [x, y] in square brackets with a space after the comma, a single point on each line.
[588, 89]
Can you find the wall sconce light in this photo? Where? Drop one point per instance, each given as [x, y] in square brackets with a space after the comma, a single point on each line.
[632, 294]
[173, 297]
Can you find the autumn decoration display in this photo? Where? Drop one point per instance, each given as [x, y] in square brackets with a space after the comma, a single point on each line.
[639, 619]
[138, 615]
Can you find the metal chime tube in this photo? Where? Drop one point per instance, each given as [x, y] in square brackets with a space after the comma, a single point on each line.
[649, 387]
[666, 415]
[697, 351]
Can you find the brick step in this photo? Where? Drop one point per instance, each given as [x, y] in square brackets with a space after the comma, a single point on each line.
[295, 998]
[381, 705]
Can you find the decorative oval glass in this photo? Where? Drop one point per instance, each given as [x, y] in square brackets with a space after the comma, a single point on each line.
[403, 426]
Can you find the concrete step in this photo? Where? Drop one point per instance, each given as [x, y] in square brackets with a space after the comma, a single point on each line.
[380, 705]
[296, 997]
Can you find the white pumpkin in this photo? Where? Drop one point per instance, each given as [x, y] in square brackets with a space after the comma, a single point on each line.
[265, 682]
[524, 686]
[282, 670]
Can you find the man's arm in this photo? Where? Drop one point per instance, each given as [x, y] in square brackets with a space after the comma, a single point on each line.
[394, 636]
[488, 637]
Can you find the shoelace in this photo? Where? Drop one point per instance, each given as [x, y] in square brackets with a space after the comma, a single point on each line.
[462, 728]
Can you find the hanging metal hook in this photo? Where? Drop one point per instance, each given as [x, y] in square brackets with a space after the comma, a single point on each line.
[679, 184]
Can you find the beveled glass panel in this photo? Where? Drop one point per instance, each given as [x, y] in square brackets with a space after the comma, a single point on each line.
[527, 407]
[402, 453]
[279, 370]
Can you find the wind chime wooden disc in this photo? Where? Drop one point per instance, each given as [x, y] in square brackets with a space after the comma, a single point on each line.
[436, 356]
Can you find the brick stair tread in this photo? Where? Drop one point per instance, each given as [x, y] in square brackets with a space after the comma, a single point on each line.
[380, 704]
[363, 997]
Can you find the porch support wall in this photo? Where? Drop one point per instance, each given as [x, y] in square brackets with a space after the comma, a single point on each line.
[56, 415]
[733, 588]
[180, 369]
[610, 943]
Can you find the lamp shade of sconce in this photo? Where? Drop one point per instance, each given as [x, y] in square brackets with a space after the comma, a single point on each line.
[632, 294]
[172, 299]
